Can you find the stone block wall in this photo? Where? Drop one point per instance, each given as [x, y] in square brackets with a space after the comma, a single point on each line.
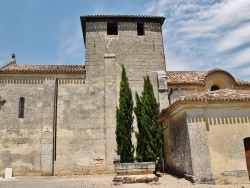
[177, 153]
[199, 147]
[80, 130]
[141, 56]
[21, 139]
[69, 123]
[226, 136]
[176, 93]
[222, 130]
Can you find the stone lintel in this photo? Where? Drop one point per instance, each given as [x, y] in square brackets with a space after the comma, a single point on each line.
[109, 55]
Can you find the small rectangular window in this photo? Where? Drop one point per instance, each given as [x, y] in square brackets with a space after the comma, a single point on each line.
[140, 29]
[21, 107]
[112, 28]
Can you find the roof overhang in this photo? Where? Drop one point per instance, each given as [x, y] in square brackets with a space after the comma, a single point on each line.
[118, 18]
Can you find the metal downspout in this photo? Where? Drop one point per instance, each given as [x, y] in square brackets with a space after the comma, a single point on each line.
[55, 126]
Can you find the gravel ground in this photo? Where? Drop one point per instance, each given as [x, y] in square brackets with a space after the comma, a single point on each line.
[104, 181]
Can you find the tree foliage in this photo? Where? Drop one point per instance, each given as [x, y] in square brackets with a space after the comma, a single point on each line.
[140, 150]
[124, 121]
[149, 137]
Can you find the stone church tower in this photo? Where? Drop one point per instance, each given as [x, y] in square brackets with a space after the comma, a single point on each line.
[110, 41]
[60, 119]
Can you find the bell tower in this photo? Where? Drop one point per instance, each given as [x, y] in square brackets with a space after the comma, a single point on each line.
[114, 40]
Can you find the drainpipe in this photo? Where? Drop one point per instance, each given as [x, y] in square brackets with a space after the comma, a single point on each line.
[163, 150]
[170, 91]
[55, 126]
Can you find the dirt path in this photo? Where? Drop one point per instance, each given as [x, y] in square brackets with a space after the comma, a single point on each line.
[101, 181]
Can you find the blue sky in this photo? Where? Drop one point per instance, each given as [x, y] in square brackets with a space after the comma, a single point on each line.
[198, 34]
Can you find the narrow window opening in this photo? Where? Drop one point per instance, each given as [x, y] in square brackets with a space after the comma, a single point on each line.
[247, 153]
[214, 88]
[140, 29]
[21, 107]
[112, 28]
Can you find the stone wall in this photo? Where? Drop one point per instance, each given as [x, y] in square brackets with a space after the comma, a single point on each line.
[205, 143]
[69, 123]
[80, 130]
[199, 144]
[177, 154]
[226, 133]
[24, 140]
[218, 132]
[28, 144]
[175, 92]
[141, 56]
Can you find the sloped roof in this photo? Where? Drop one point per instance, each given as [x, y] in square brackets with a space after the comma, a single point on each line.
[118, 18]
[86, 18]
[197, 77]
[13, 68]
[221, 96]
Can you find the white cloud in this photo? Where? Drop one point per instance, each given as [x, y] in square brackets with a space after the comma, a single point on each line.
[235, 38]
[245, 71]
[241, 58]
[70, 43]
[157, 7]
[204, 33]
[177, 64]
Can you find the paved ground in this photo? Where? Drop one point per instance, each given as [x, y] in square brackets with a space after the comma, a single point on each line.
[103, 181]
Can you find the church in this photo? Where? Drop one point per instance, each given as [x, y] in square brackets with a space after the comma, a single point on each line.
[60, 119]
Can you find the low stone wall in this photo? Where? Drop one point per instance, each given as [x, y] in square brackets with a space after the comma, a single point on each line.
[142, 172]
[134, 168]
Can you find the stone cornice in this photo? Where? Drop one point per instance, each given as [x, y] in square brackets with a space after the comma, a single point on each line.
[219, 97]
[13, 68]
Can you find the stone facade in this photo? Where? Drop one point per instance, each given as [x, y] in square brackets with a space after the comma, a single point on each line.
[205, 131]
[60, 119]
[69, 110]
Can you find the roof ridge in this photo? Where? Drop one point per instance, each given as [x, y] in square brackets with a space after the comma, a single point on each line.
[11, 62]
[43, 69]
[227, 94]
[198, 77]
[210, 97]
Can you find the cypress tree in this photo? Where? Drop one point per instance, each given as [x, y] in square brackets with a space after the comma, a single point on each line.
[124, 121]
[149, 139]
[139, 135]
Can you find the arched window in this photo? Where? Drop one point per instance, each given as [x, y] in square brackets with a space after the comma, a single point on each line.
[21, 107]
[214, 88]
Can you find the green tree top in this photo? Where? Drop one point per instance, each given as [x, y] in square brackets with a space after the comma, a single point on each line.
[124, 121]
[149, 138]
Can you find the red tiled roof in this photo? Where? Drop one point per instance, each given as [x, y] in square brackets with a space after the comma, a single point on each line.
[85, 18]
[221, 96]
[42, 69]
[196, 77]
[185, 77]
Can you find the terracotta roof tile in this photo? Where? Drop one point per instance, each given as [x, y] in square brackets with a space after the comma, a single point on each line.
[119, 16]
[222, 95]
[42, 69]
[218, 96]
[196, 77]
[185, 77]
[85, 18]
